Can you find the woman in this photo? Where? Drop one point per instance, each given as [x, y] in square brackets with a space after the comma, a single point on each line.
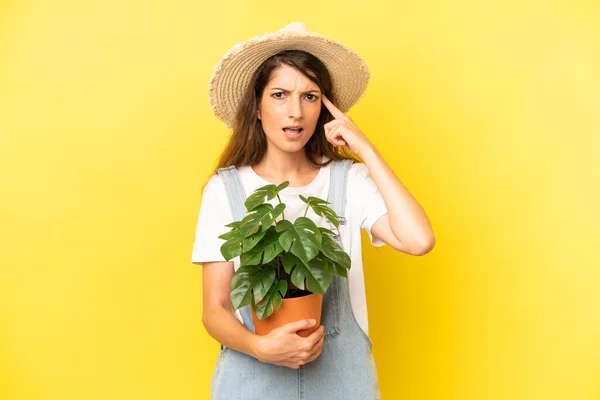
[286, 105]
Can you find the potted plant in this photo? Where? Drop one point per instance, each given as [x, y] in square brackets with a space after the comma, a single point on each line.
[282, 263]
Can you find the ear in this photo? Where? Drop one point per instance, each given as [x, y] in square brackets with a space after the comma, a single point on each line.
[258, 114]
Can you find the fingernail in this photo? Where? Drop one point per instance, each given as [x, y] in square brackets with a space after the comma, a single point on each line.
[312, 322]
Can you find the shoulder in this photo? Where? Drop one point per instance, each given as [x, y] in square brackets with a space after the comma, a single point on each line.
[358, 171]
[359, 182]
[217, 182]
[214, 186]
[351, 165]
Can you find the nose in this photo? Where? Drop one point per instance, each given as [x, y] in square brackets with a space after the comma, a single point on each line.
[294, 107]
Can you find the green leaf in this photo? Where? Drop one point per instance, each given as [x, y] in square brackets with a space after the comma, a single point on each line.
[315, 273]
[228, 235]
[231, 248]
[240, 291]
[319, 278]
[268, 219]
[282, 289]
[312, 201]
[233, 245]
[335, 268]
[319, 207]
[248, 269]
[251, 222]
[328, 232]
[298, 277]
[272, 300]
[284, 225]
[264, 280]
[334, 251]
[289, 262]
[247, 233]
[264, 251]
[258, 196]
[259, 282]
[252, 240]
[338, 270]
[303, 239]
[282, 186]
[327, 213]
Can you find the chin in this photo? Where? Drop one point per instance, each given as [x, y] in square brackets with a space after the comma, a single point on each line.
[292, 149]
[282, 144]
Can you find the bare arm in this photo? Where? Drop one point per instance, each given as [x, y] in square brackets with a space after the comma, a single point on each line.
[218, 312]
[405, 227]
[280, 347]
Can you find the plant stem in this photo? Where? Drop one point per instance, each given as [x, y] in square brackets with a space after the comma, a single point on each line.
[306, 211]
[278, 270]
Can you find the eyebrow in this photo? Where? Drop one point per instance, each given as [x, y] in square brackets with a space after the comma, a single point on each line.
[287, 91]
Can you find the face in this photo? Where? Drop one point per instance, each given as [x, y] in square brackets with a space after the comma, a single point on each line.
[289, 109]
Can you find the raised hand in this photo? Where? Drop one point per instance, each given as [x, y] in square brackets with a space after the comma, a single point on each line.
[343, 132]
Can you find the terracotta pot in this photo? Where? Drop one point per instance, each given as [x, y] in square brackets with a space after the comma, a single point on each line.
[292, 310]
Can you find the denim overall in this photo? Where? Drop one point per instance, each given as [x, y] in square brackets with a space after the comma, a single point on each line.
[345, 369]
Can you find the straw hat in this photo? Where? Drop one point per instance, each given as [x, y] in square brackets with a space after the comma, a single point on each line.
[231, 76]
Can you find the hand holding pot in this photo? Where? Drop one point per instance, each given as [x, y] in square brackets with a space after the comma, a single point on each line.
[284, 347]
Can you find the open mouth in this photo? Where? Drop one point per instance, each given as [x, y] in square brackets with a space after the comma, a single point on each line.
[293, 130]
[293, 133]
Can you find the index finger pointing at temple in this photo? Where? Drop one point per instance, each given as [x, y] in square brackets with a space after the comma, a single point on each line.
[332, 109]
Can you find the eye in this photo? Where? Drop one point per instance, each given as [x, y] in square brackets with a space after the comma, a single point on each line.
[277, 95]
[312, 97]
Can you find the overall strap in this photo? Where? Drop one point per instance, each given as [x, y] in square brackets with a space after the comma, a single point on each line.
[235, 191]
[336, 297]
[237, 197]
[337, 187]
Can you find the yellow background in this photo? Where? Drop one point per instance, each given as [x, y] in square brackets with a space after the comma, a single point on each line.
[489, 112]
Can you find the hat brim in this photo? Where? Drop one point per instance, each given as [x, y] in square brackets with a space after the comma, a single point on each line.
[230, 78]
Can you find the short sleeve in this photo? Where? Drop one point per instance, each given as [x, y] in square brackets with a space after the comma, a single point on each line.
[213, 216]
[365, 194]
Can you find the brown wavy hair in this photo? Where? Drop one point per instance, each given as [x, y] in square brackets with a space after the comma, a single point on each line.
[248, 144]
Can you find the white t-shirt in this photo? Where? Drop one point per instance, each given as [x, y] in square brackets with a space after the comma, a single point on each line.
[364, 206]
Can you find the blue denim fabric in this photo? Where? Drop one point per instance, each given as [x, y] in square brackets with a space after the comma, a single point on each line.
[345, 370]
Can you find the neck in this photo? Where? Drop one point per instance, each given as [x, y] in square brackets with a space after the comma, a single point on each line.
[282, 166]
